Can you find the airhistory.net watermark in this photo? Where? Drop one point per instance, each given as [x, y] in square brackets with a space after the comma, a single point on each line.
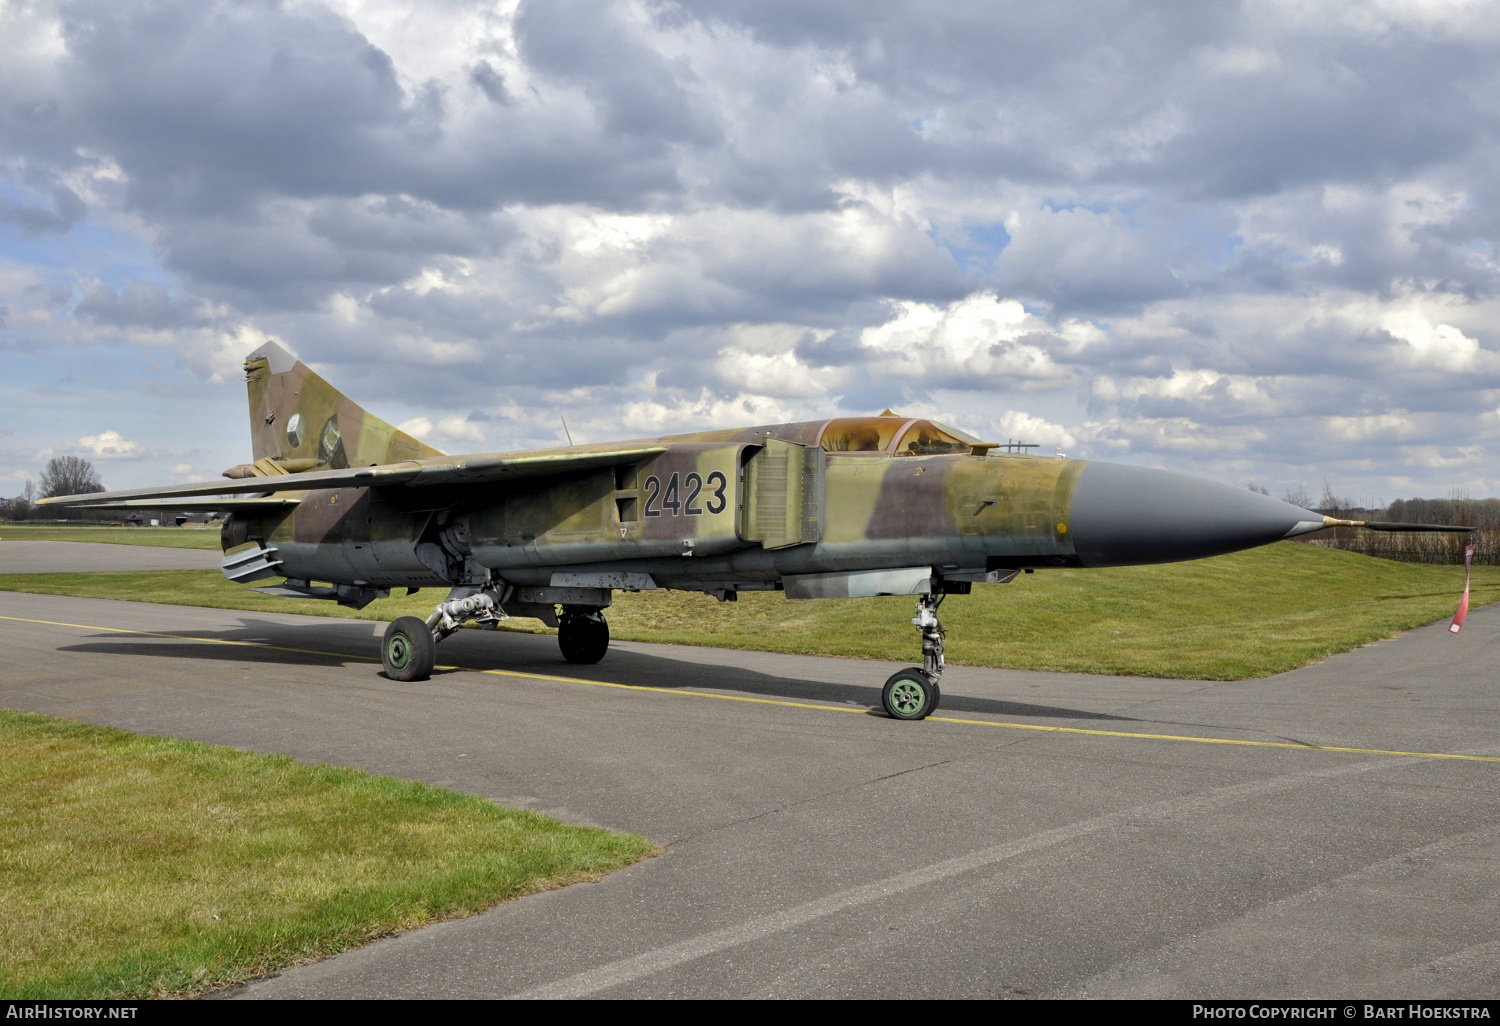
[45, 1010]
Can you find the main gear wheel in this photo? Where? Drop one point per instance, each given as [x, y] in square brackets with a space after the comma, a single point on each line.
[583, 637]
[408, 650]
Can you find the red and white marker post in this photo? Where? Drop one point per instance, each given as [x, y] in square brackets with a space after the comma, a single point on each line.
[1463, 604]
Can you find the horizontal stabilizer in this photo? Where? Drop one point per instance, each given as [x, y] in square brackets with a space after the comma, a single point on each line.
[423, 473]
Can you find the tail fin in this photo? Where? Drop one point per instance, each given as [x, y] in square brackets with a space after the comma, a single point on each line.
[301, 422]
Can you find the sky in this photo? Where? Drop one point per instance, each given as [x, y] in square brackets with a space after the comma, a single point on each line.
[1254, 241]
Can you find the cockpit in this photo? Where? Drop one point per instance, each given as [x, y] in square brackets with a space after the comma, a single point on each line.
[898, 436]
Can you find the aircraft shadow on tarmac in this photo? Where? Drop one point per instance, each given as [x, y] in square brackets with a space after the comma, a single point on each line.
[285, 644]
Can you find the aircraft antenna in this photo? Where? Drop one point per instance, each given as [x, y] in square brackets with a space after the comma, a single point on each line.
[565, 428]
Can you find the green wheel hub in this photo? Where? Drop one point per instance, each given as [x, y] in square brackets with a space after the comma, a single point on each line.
[908, 697]
[406, 649]
[398, 651]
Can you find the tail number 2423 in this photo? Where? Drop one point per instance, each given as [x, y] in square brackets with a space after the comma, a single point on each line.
[687, 505]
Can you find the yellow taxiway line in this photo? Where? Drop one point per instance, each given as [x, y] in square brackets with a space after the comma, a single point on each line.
[1042, 728]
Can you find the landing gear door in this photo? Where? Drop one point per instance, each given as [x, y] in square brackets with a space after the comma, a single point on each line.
[783, 495]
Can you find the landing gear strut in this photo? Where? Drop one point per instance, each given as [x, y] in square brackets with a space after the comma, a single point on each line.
[913, 693]
[408, 651]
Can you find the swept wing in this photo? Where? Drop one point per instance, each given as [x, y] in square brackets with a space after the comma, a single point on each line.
[237, 504]
[471, 470]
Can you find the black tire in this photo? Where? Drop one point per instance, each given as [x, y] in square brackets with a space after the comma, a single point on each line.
[909, 695]
[583, 638]
[408, 651]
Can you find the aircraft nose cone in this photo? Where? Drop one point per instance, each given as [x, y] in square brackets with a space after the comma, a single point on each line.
[1123, 516]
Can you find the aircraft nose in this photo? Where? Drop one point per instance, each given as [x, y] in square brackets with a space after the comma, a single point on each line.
[1123, 516]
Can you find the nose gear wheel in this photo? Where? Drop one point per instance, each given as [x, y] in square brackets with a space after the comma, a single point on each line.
[909, 695]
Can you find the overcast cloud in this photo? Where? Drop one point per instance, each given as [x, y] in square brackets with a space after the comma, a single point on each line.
[1253, 240]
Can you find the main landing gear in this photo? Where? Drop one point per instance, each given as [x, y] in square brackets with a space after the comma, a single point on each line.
[408, 650]
[582, 636]
[913, 693]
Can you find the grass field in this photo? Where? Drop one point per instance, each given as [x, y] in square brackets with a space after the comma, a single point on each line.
[145, 867]
[1234, 617]
[186, 537]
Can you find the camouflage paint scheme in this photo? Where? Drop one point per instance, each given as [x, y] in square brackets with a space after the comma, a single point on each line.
[718, 511]
[847, 506]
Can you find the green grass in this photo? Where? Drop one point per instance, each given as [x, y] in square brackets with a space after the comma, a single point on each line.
[144, 867]
[186, 537]
[1234, 617]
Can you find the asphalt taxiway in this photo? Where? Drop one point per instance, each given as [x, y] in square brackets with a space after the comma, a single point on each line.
[42, 557]
[1329, 832]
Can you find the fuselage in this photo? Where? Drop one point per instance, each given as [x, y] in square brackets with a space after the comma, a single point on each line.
[345, 506]
[743, 509]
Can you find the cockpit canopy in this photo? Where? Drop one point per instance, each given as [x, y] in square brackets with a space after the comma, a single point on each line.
[895, 435]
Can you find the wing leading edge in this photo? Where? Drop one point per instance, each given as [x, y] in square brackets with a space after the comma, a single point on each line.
[238, 504]
[475, 470]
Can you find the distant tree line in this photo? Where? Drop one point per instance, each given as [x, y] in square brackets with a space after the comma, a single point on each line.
[1469, 512]
[63, 475]
[1483, 514]
[74, 475]
[20, 507]
[70, 475]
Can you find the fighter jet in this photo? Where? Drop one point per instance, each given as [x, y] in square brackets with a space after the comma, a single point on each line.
[345, 507]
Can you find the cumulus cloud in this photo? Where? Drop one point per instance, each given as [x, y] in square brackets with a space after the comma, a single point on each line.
[1234, 238]
[185, 473]
[1439, 346]
[1019, 426]
[982, 341]
[106, 445]
[706, 409]
[452, 428]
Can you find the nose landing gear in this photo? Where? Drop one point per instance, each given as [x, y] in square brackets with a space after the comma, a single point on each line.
[913, 693]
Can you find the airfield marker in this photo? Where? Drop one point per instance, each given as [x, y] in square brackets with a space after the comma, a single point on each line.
[1463, 603]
